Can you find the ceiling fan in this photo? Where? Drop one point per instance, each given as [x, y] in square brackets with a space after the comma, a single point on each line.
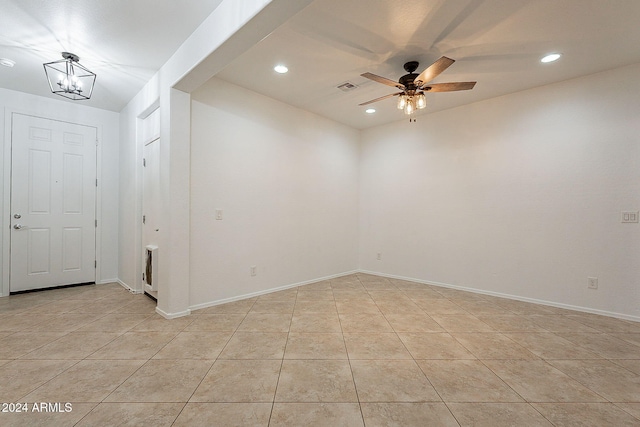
[414, 86]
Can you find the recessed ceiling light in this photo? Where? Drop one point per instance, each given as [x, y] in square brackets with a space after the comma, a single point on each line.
[7, 62]
[370, 110]
[550, 57]
[280, 69]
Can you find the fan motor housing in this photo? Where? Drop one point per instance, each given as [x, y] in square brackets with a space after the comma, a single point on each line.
[407, 80]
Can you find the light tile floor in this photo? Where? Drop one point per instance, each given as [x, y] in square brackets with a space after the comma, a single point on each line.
[359, 350]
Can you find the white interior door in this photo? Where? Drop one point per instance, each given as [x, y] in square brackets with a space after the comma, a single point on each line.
[150, 198]
[53, 203]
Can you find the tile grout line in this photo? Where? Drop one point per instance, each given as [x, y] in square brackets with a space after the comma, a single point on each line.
[208, 370]
[353, 378]
[134, 372]
[275, 391]
[605, 330]
[418, 365]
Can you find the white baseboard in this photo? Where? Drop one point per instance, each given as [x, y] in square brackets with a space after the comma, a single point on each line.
[267, 291]
[127, 287]
[106, 281]
[509, 296]
[172, 315]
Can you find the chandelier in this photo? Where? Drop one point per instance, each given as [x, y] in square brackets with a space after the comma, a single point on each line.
[68, 78]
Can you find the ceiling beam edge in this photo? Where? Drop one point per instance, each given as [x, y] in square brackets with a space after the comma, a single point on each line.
[256, 28]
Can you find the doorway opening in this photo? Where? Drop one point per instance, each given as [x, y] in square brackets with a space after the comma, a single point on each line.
[151, 203]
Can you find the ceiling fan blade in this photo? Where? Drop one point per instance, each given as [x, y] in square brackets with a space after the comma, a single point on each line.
[433, 70]
[448, 87]
[381, 98]
[383, 80]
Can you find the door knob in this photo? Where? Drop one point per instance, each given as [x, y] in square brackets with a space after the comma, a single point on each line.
[17, 226]
[17, 216]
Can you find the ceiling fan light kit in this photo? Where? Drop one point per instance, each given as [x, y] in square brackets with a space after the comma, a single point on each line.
[412, 103]
[414, 86]
[68, 78]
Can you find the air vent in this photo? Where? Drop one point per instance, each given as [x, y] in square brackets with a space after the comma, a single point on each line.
[347, 87]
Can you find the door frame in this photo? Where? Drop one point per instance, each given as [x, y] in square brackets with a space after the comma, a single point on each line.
[139, 249]
[155, 138]
[5, 215]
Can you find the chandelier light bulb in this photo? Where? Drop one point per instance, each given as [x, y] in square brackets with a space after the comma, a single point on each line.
[421, 101]
[402, 102]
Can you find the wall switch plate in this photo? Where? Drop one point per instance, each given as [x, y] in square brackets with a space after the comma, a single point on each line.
[629, 217]
[253, 270]
[219, 214]
[592, 282]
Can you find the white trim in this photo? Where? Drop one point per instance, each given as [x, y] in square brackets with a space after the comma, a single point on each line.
[6, 203]
[172, 315]
[139, 251]
[509, 296]
[98, 213]
[124, 285]
[138, 257]
[146, 112]
[107, 281]
[267, 291]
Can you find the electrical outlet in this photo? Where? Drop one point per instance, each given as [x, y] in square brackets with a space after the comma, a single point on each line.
[219, 214]
[379, 256]
[592, 282]
[629, 217]
[253, 270]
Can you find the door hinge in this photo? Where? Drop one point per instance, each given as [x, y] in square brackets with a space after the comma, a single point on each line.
[143, 277]
[95, 263]
[144, 219]
[96, 223]
[96, 182]
[144, 163]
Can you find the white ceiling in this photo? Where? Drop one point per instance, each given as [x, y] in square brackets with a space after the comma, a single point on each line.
[497, 43]
[123, 41]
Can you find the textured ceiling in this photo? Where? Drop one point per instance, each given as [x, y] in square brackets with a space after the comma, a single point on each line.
[123, 41]
[497, 43]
